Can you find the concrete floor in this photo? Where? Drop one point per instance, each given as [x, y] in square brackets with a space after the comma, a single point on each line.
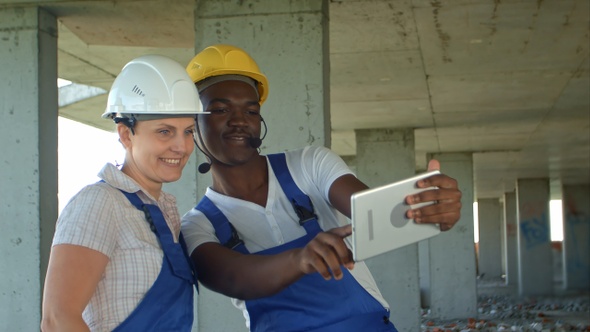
[501, 309]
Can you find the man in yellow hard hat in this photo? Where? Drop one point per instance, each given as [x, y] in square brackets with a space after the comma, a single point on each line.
[266, 233]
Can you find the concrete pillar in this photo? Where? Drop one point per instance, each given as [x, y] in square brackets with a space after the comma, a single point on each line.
[576, 241]
[502, 238]
[452, 269]
[424, 273]
[490, 238]
[289, 41]
[28, 176]
[535, 261]
[509, 232]
[385, 156]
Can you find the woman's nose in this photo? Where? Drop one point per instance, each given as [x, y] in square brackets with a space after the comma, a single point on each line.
[181, 143]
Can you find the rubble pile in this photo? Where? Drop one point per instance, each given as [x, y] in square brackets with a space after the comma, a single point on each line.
[505, 313]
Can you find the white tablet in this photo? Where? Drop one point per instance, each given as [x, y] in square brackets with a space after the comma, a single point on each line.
[379, 222]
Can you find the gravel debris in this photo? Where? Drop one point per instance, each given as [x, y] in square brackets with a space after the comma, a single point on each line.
[521, 314]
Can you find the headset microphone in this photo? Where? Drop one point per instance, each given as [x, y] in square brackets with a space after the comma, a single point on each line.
[256, 142]
[204, 167]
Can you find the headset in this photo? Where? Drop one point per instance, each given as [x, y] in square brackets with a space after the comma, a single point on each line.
[255, 143]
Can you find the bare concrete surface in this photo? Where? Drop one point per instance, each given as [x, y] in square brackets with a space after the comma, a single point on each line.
[501, 309]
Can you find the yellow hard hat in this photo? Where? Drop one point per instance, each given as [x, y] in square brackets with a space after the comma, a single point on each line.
[220, 59]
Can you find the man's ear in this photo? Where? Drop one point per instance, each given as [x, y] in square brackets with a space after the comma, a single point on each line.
[124, 135]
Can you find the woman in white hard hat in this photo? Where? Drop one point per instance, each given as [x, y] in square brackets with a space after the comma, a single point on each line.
[118, 261]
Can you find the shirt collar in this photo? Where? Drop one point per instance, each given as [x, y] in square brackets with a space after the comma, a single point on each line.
[117, 179]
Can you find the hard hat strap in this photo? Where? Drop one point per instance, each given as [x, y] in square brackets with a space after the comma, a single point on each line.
[129, 122]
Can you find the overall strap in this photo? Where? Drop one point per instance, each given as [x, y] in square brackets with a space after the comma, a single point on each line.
[225, 231]
[301, 202]
[175, 252]
[138, 203]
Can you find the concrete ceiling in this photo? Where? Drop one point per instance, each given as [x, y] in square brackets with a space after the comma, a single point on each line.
[507, 80]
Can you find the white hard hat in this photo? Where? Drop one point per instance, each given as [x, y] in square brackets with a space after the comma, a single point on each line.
[153, 85]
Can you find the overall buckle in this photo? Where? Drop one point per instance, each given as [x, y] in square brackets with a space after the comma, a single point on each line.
[303, 213]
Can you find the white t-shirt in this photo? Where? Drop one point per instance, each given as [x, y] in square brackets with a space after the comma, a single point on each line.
[101, 218]
[313, 169]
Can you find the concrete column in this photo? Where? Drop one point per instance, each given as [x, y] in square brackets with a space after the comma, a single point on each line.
[289, 41]
[385, 156]
[490, 238]
[502, 238]
[453, 290]
[576, 242]
[535, 268]
[424, 273]
[28, 176]
[509, 232]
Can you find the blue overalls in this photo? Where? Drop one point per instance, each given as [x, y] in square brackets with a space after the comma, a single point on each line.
[312, 303]
[168, 304]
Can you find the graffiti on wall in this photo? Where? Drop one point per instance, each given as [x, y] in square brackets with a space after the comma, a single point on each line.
[535, 231]
[578, 236]
[577, 225]
[534, 225]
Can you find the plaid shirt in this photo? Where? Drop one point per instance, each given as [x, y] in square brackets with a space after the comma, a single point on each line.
[101, 218]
